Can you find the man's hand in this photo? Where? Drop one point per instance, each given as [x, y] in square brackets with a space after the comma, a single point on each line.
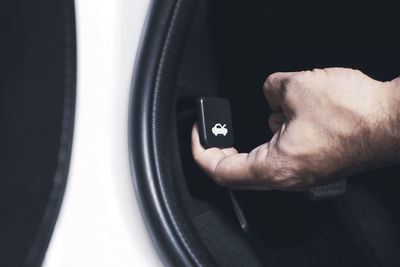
[328, 124]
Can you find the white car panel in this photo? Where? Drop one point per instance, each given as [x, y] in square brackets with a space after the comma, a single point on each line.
[100, 222]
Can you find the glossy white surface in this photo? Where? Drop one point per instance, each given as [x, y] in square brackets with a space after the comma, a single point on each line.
[100, 223]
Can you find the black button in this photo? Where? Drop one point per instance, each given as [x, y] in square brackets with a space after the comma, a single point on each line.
[215, 122]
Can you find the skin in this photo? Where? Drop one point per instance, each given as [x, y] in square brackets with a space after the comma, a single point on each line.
[328, 124]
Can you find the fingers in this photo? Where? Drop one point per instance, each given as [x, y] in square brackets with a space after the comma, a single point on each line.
[226, 166]
[220, 164]
[275, 121]
[274, 88]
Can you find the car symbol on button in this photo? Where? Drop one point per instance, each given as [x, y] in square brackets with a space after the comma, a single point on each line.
[219, 129]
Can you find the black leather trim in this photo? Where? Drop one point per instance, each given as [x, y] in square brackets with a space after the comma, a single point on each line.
[152, 133]
[38, 249]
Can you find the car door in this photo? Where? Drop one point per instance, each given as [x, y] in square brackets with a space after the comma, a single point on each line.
[227, 48]
[37, 100]
[67, 197]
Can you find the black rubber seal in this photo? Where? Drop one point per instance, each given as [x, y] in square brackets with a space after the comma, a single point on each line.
[152, 133]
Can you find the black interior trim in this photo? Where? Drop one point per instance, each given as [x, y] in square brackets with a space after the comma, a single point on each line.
[37, 103]
[38, 249]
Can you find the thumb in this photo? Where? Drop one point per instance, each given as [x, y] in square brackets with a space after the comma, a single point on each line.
[229, 168]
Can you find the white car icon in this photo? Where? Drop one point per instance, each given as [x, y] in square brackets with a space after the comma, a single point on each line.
[219, 129]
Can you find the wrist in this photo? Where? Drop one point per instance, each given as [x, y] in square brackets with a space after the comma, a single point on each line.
[393, 118]
[394, 104]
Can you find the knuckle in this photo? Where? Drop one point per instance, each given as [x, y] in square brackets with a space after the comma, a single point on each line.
[257, 160]
[317, 70]
[291, 83]
[294, 87]
[288, 84]
[273, 79]
[268, 82]
[298, 79]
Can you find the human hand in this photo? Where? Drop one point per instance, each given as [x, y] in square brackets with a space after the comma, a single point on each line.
[327, 123]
